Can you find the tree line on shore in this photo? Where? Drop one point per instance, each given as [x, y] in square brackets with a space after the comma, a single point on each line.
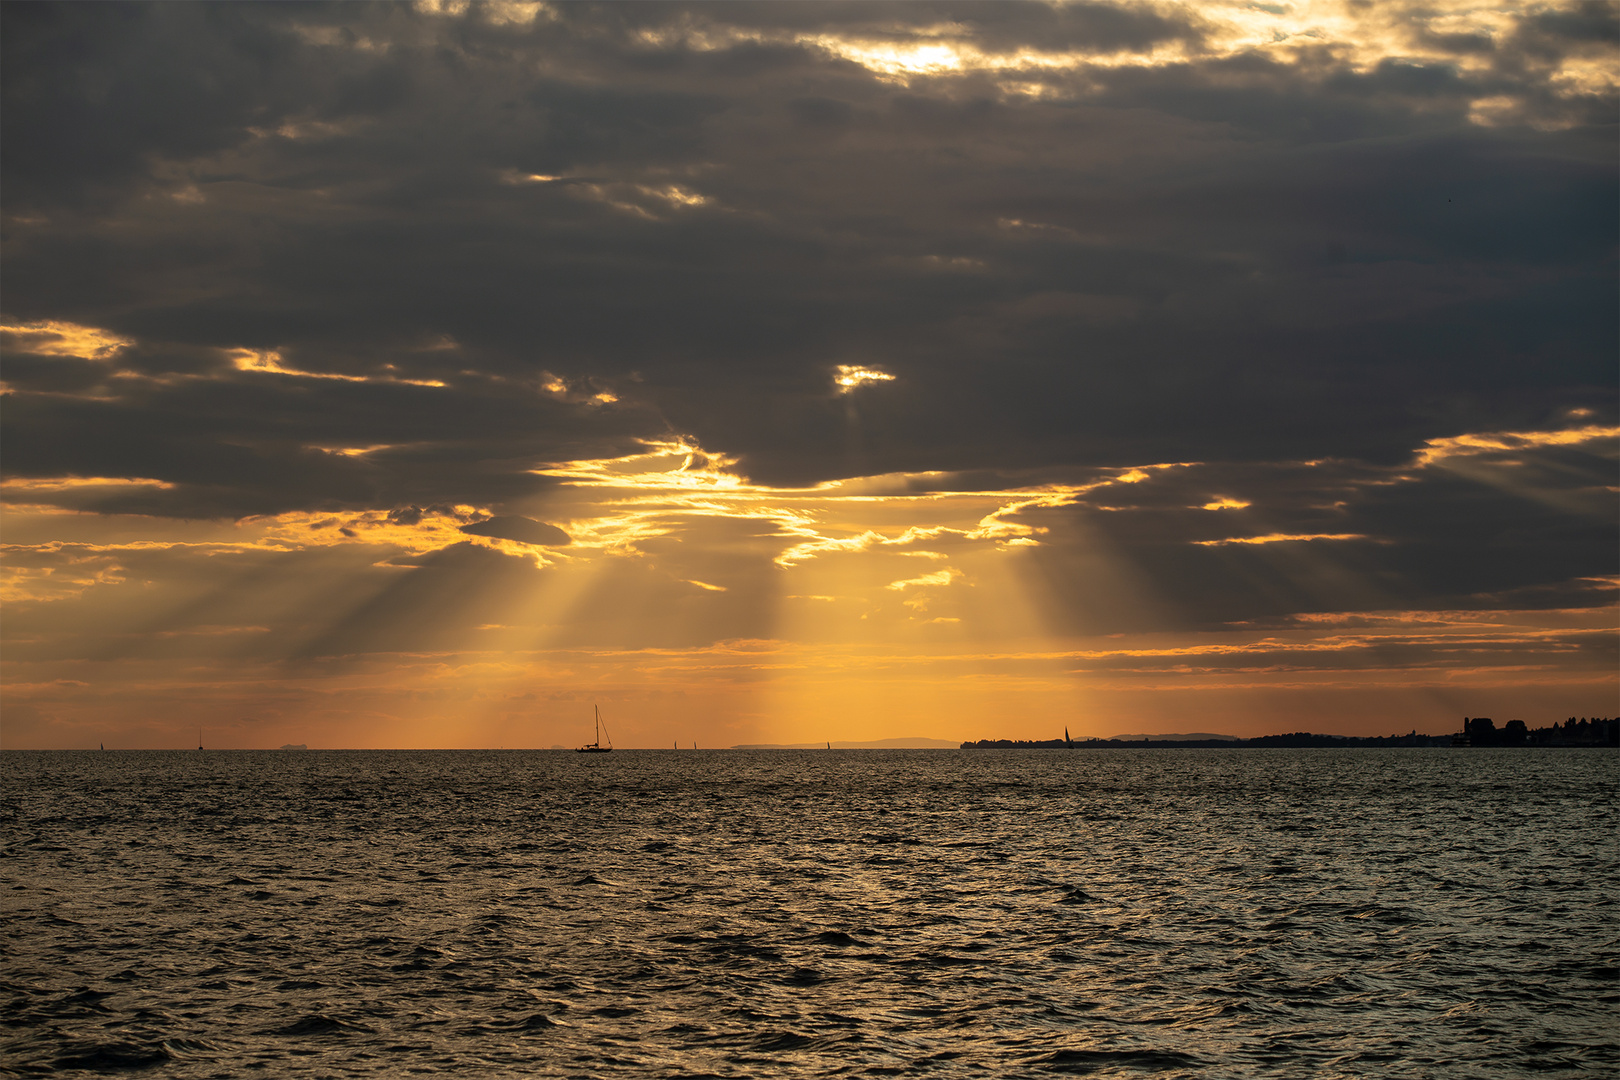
[1586, 731]
[1476, 731]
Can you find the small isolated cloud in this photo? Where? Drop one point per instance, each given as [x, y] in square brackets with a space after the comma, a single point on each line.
[521, 529]
[941, 577]
[849, 377]
[1279, 538]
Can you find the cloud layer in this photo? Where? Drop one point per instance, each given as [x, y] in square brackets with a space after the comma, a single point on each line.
[1196, 316]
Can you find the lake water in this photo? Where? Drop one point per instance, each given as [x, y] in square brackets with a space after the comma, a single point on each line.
[1209, 913]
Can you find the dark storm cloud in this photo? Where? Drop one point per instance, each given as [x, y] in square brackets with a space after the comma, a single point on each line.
[523, 530]
[622, 221]
[260, 443]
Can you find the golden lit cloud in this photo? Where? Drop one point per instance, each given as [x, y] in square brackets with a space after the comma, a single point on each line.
[1280, 538]
[26, 485]
[49, 572]
[269, 361]
[1510, 462]
[514, 12]
[1442, 451]
[509, 176]
[849, 377]
[915, 58]
[1358, 37]
[649, 201]
[941, 577]
[54, 338]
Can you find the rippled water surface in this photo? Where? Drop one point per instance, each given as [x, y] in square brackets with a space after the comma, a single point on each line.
[1411, 913]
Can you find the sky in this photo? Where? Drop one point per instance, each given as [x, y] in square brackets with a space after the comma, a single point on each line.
[424, 375]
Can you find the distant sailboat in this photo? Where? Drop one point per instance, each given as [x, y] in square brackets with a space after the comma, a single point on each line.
[199, 738]
[1068, 742]
[597, 747]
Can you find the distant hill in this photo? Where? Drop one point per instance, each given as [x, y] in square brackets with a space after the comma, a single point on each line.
[877, 744]
[1174, 738]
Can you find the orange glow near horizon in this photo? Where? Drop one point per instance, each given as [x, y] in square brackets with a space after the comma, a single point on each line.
[874, 607]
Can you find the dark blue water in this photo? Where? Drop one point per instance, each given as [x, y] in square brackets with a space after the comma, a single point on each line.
[1209, 913]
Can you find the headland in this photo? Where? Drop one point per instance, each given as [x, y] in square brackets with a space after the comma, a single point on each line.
[1476, 731]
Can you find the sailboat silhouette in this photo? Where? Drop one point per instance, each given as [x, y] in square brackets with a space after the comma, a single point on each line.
[597, 747]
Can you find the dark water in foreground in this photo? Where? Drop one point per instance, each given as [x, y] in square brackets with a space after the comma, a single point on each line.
[1210, 913]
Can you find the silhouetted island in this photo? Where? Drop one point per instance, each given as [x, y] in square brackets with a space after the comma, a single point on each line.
[1476, 731]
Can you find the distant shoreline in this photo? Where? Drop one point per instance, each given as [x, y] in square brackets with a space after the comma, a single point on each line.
[1478, 732]
[1298, 739]
[1575, 733]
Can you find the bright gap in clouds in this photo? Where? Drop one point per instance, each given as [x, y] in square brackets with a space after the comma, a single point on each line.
[1360, 38]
